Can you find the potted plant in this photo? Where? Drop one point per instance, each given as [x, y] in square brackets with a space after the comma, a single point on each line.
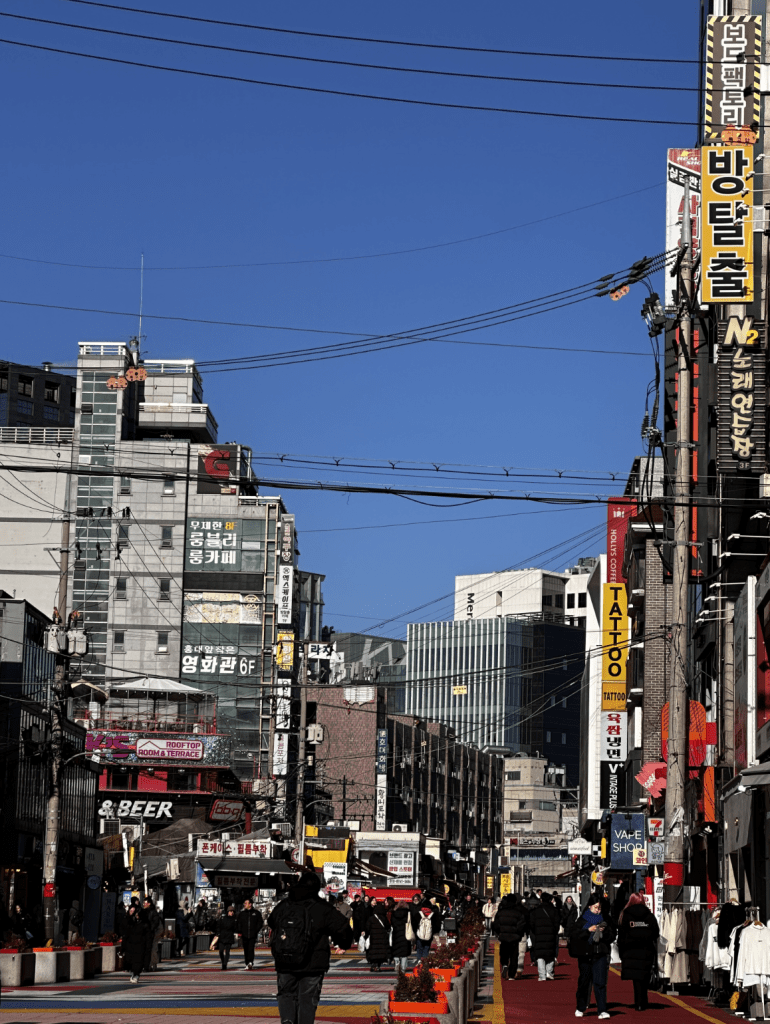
[416, 993]
[51, 964]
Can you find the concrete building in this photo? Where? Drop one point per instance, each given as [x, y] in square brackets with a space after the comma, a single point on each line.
[139, 521]
[35, 397]
[388, 654]
[507, 683]
[516, 592]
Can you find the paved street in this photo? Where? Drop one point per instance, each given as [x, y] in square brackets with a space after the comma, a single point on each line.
[198, 987]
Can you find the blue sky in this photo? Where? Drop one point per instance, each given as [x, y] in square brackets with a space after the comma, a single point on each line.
[103, 162]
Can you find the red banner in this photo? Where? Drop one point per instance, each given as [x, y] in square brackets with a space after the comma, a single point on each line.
[619, 511]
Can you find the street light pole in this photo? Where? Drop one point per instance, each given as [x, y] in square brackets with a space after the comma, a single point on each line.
[299, 821]
[51, 835]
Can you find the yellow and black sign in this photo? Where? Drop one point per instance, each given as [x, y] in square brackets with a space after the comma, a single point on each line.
[459, 691]
[284, 650]
[613, 696]
[727, 228]
[733, 61]
[614, 634]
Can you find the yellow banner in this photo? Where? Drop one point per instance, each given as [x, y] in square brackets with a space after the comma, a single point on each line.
[505, 884]
[727, 238]
[284, 650]
[614, 633]
[613, 696]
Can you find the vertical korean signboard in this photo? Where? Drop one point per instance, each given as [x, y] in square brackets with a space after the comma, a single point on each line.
[614, 718]
[741, 396]
[727, 239]
[682, 169]
[285, 585]
[733, 56]
[381, 771]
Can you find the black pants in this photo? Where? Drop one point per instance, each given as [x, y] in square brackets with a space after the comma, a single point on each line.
[640, 993]
[248, 949]
[509, 955]
[298, 997]
[224, 954]
[593, 972]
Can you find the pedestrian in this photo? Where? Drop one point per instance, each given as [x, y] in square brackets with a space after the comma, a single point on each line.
[74, 921]
[544, 931]
[424, 931]
[569, 913]
[250, 923]
[511, 928]
[154, 924]
[20, 922]
[182, 932]
[401, 946]
[302, 926]
[377, 933]
[134, 943]
[344, 907]
[226, 933]
[488, 912]
[591, 943]
[638, 945]
[201, 916]
[359, 917]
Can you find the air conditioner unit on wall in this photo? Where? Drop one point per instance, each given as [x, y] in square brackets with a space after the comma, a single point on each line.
[109, 826]
[400, 828]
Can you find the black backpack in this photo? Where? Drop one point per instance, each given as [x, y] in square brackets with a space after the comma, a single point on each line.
[292, 936]
[580, 944]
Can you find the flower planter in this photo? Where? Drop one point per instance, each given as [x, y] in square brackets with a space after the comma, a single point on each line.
[51, 965]
[10, 968]
[418, 1020]
[108, 958]
[423, 1009]
[444, 973]
[77, 962]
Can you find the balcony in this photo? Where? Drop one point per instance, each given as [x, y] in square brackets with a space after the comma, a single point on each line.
[36, 435]
[119, 721]
[192, 419]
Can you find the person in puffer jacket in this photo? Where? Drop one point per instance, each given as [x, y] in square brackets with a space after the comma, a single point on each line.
[511, 926]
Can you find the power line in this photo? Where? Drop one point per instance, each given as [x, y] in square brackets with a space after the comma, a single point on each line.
[384, 42]
[344, 259]
[345, 92]
[346, 63]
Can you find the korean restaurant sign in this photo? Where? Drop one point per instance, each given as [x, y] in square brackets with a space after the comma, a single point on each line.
[614, 736]
[741, 396]
[233, 848]
[727, 238]
[733, 56]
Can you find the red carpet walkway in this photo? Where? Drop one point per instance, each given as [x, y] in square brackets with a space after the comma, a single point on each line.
[530, 1001]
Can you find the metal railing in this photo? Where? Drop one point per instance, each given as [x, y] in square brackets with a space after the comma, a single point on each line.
[36, 435]
[116, 722]
[102, 348]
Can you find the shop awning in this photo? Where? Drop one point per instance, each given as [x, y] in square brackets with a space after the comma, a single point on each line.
[244, 866]
[757, 775]
[364, 865]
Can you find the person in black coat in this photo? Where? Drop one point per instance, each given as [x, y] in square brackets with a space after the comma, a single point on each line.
[300, 983]
[511, 927]
[638, 945]
[134, 943]
[569, 914]
[591, 942]
[250, 923]
[401, 946]
[544, 931]
[154, 923]
[227, 927]
[377, 931]
[360, 914]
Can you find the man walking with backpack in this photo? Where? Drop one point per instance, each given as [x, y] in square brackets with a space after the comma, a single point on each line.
[301, 927]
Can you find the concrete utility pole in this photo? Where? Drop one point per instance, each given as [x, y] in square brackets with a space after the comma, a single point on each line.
[299, 821]
[677, 694]
[51, 839]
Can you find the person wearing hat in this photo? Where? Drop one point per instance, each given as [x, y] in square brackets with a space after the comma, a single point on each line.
[301, 927]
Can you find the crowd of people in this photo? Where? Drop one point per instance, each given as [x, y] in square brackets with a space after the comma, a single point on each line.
[534, 922]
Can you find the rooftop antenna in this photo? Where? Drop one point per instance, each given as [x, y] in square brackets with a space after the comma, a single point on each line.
[136, 343]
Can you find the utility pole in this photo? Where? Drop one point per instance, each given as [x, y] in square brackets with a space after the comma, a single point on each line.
[299, 821]
[676, 774]
[344, 799]
[51, 839]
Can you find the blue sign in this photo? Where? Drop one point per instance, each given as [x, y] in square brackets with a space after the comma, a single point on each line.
[627, 833]
[382, 752]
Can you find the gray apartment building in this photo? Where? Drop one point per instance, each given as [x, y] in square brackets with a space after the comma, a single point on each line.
[36, 397]
[142, 525]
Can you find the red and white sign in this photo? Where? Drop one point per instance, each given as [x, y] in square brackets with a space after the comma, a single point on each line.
[614, 736]
[234, 848]
[169, 750]
[655, 828]
[224, 812]
[619, 511]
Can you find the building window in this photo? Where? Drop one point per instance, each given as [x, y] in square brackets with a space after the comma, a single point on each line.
[547, 805]
[570, 600]
[73, 397]
[50, 413]
[122, 534]
[582, 600]
[3, 382]
[125, 485]
[51, 392]
[24, 386]
[165, 589]
[548, 737]
[118, 639]
[564, 737]
[162, 643]
[167, 536]
[558, 600]
[547, 600]
[564, 702]
[581, 622]
[513, 776]
[168, 485]
[120, 588]
[25, 408]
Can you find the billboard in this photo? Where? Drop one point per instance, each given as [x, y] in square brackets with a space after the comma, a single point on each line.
[733, 56]
[682, 168]
[169, 750]
[233, 848]
[741, 396]
[218, 470]
[284, 595]
[132, 747]
[727, 237]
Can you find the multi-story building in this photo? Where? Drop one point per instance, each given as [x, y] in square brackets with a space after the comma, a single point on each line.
[35, 397]
[26, 674]
[510, 683]
[515, 592]
[386, 653]
[160, 543]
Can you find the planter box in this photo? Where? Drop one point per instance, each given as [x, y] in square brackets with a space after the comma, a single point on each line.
[92, 961]
[77, 961]
[10, 968]
[438, 1008]
[444, 973]
[51, 966]
[108, 958]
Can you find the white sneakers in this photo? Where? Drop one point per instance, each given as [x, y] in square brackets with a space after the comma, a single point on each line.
[578, 1013]
[134, 979]
[604, 1016]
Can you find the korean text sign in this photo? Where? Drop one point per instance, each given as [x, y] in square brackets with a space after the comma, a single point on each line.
[727, 239]
[614, 736]
[213, 545]
[733, 55]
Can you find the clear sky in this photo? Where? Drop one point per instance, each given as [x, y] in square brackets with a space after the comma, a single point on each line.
[102, 162]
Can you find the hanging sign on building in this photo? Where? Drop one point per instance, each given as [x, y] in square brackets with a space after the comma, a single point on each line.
[286, 551]
[741, 396]
[284, 595]
[169, 750]
[280, 753]
[233, 848]
[614, 736]
[402, 866]
[284, 651]
[381, 766]
[619, 511]
[733, 61]
[381, 804]
[612, 785]
[217, 468]
[727, 239]
[212, 544]
[627, 835]
[615, 625]
[682, 169]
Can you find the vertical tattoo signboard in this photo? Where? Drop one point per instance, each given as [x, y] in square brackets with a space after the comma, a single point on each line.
[727, 239]
[733, 58]
[614, 717]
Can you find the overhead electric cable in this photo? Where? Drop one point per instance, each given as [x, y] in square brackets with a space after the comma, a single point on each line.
[344, 92]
